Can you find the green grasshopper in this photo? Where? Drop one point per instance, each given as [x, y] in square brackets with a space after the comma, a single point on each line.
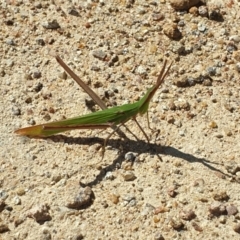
[108, 117]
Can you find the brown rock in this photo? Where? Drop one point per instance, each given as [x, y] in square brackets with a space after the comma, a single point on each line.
[183, 4]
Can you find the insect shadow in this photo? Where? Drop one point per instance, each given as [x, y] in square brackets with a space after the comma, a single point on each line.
[137, 146]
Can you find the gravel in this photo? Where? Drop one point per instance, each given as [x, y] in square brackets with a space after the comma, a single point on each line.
[184, 183]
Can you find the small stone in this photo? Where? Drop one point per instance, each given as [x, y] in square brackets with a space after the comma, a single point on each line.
[193, 11]
[170, 119]
[27, 76]
[223, 219]
[158, 236]
[10, 62]
[197, 227]
[2, 205]
[181, 82]
[38, 87]
[16, 111]
[40, 42]
[10, 42]
[4, 228]
[217, 209]
[100, 54]
[238, 67]
[233, 168]
[113, 60]
[161, 209]
[63, 75]
[109, 176]
[114, 198]
[171, 30]
[213, 124]
[73, 11]
[128, 198]
[40, 213]
[232, 210]
[82, 199]
[218, 135]
[203, 11]
[17, 200]
[129, 156]
[220, 196]
[2, 72]
[207, 82]
[38, 5]
[176, 223]
[156, 219]
[236, 227]
[215, 14]
[20, 191]
[157, 16]
[183, 4]
[141, 70]
[37, 74]
[188, 215]
[9, 22]
[172, 192]
[128, 176]
[51, 24]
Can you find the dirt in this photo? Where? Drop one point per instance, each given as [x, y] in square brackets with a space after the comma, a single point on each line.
[184, 183]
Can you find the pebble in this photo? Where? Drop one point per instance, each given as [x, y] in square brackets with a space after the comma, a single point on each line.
[213, 124]
[231, 210]
[9, 63]
[73, 11]
[141, 70]
[157, 16]
[36, 74]
[114, 198]
[129, 156]
[223, 219]
[181, 82]
[128, 176]
[197, 227]
[38, 87]
[238, 67]
[183, 4]
[83, 198]
[109, 176]
[99, 54]
[236, 227]
[171, 30]
[16, 111]
[2, 204]
[40, 213]
[62, 75]
[20, 191]
[51, 24]
[158, 236]
[235, 38]
[17, 200]
[40, 42]
[220, 196]
[10, 42]
[218, 135]
[187, 214]
[203, 11]
[176, 223]
[217, 209]
[201, 27]
[4, 227]
[233, 168]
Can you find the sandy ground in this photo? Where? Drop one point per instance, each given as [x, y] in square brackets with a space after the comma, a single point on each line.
[184, 184]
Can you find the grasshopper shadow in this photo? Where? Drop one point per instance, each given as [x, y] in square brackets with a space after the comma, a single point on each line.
[138, 146]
